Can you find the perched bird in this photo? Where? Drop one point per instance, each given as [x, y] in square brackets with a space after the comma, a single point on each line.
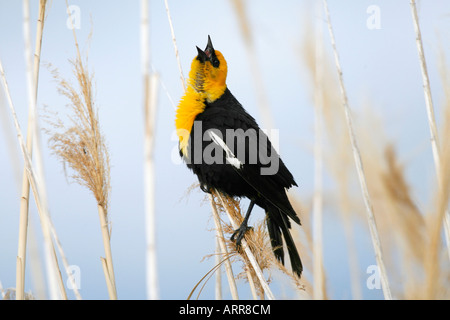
[224, 146]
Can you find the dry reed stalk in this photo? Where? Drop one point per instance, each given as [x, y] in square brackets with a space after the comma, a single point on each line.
[312, 54]
[252, 284]
[107, 262]
[318, 269]
[66, 265]
[444, 198]
[436, 275]
[206, 277]
[175, 47]
[55, 293]
[337, 157]
[56, 286]
[150, 117]
[434, 137]
[82, 147]
[223, 250]
[394, 203]
[218, 285]
[245, 246]
[413, 250]
[11, 149]
[335, 145]
[359, 167]
[37, 274]
[25, 193]
[426, 88]
[260, 248]
[150, 90]
[54, 276]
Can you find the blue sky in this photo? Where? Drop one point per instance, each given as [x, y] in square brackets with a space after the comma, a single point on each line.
[380, 65]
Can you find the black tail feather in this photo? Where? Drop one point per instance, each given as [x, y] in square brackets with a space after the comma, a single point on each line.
[278, 224]
[275, 239]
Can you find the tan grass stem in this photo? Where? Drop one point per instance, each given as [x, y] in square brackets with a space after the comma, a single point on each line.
[150, 95]
[37, 277]
[54, 277]
[359, 167]
[318, 269]
[65, 262]
[224, 250]
[82, 147]
[426, 88]
[434, 265]
[248, 252]
[434, 136]
[218, 285]
[56, 286]
[107, 262]
[25, 193]
[175, 47]
[252, 284]
[150, 120]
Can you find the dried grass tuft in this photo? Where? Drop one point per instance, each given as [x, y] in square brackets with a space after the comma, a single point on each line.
[81, 145]
[258, 242]
[255, 238]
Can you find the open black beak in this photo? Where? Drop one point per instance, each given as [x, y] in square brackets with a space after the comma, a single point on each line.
[209, 51]
[202, 57]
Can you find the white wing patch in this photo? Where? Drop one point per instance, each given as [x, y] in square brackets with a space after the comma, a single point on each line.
[230, 157]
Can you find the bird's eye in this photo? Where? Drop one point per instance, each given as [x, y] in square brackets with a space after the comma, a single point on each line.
[215, 63]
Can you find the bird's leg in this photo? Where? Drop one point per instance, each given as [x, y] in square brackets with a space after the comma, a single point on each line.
[240, 232]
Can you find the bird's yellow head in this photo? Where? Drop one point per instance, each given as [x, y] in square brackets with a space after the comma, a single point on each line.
[207, 83]
[208, 73]
[193, 101]
[215, 73]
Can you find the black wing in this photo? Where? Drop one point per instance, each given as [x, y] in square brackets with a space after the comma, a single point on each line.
[261, 166]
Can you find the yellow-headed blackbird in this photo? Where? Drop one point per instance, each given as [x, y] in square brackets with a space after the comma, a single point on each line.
[224, 146]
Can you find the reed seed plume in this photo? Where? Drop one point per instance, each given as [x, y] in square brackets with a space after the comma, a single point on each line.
[408, 218]
[80, 145]
[33, 66]
[400, 222]
[434, 136]
[445, 146]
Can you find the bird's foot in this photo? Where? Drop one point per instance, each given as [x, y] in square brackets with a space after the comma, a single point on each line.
[239, 234]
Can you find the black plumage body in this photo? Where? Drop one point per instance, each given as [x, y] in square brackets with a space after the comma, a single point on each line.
[246, 180]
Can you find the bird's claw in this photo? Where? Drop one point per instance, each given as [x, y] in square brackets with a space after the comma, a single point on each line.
[239, 234]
